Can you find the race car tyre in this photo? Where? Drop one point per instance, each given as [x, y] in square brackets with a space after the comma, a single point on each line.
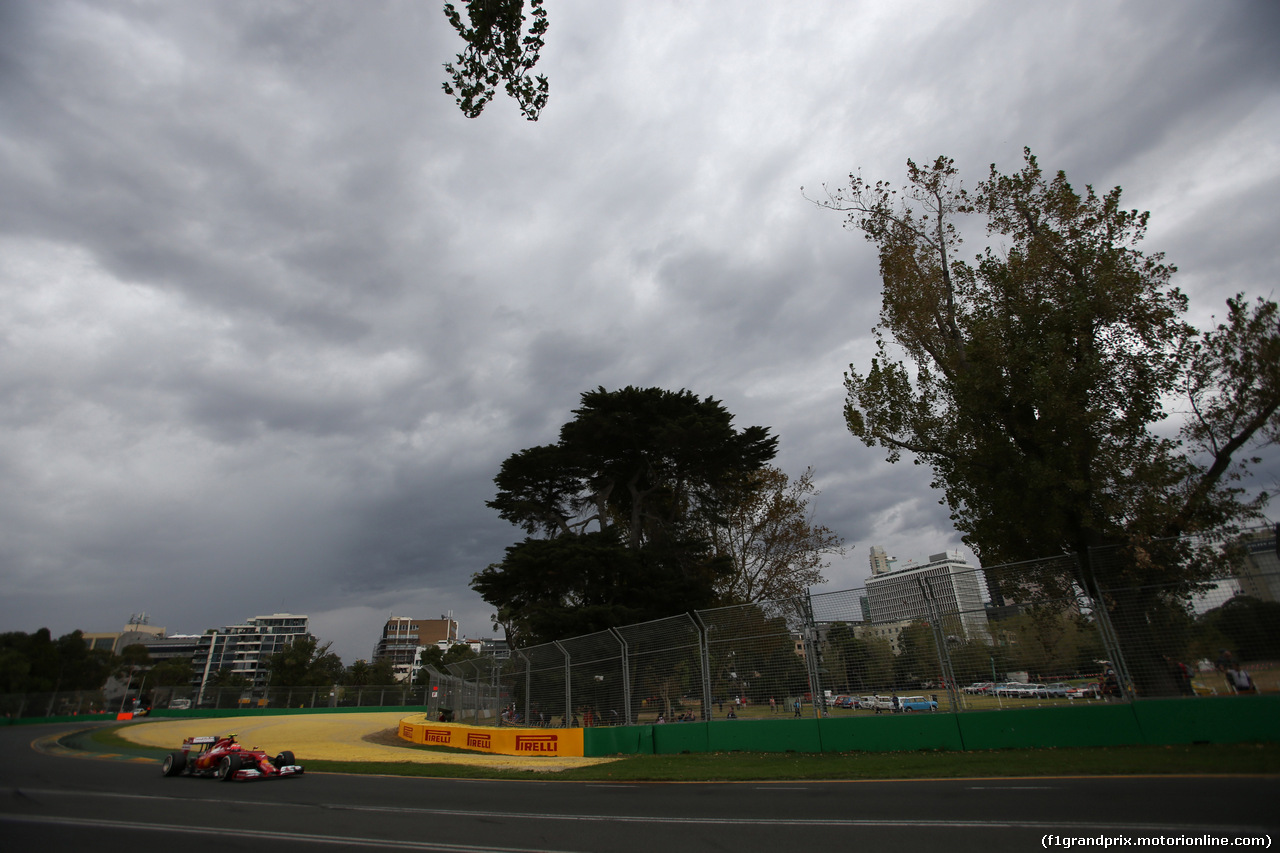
[228, 767]
[284, 759]
[174, 763]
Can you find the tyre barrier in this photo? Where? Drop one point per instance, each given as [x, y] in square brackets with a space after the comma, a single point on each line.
[555, 743]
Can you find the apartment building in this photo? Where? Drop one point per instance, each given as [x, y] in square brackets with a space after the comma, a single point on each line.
[245, 649]
[404, 638]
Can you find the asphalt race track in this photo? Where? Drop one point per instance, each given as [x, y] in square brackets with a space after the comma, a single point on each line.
[61, 803]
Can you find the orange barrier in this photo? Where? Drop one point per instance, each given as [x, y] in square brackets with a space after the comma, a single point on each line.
[532, 742]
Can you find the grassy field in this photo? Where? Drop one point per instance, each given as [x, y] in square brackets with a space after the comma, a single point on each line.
[1206, 759]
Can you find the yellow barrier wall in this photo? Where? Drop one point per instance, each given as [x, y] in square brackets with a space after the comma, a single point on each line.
[532, 742]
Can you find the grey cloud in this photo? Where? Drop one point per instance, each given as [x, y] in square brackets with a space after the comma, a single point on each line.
[272, 312]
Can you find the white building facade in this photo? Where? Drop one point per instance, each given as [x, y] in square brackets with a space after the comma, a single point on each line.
[245, 649]
[947, 586]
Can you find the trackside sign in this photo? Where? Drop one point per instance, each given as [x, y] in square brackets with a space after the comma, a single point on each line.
[502, 741]
[538, 743]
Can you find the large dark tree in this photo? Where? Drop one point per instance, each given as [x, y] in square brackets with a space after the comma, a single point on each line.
[1032, 379]
[1247, 626]
[767, 531]
[37, 663]
[615, 512]
[305, 663]
[362, 673]
[1034, 376]
[499, 51]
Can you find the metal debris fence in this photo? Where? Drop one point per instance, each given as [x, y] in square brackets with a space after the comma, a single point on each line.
[916, 640]
[1040, 641]
[97, 702]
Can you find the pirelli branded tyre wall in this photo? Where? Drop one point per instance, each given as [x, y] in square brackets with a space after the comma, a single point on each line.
[501, 741]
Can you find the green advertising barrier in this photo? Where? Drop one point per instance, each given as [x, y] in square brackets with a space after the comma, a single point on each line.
[1209, 719]
[891, 732]
[779, 735]
[618, 740]
[674, 738]
[1096, 724]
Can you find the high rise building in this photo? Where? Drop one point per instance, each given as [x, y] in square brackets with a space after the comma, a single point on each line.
[946, 586]
[880, 561]
[245, 649]
[404, 638]
[1260, 568]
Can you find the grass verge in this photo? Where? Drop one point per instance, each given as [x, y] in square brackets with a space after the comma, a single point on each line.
[108, 739]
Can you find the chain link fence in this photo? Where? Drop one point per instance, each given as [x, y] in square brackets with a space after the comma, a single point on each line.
[91, 702]
[69, 703]
[942, 637]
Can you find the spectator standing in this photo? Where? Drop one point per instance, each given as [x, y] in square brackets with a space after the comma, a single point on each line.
[1240, 681]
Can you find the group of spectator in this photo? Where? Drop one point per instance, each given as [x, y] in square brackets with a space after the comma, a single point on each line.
[1237, 677]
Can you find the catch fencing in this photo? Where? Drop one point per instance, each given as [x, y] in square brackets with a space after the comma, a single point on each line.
[90, 703]
[941, 637]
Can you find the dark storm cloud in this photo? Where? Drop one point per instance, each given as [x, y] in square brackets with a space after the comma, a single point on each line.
[272, 312]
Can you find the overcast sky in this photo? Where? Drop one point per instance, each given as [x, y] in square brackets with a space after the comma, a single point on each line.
[274, 311]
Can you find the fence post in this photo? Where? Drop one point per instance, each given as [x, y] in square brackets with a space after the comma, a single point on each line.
[704, 655]
[431, 698]
[940, 642]
[626, 676]
[1111, 641]
[528, 686]
[568, 687]
[809, 635]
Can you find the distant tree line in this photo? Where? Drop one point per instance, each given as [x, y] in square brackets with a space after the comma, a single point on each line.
[37, 663]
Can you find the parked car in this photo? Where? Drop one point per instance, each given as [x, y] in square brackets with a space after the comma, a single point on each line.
[1058, 690]
[980, 687]
[872, 703]
[916, 703]
[1084, 691]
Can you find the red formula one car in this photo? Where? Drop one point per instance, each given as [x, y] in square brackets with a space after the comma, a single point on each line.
[221, 757]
